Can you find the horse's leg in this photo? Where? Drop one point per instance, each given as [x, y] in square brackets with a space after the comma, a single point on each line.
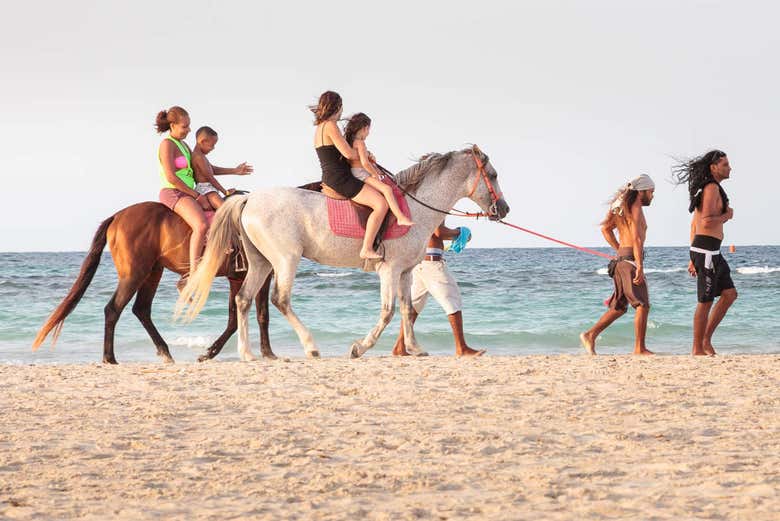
[142, 308]
[259, 269]
[284, 276]
[388, 281]
[231, 327]
[261, 305]
[124, 292]
[407, 324]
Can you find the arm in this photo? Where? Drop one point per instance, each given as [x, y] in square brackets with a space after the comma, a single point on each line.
[608, 231]
[201, 167]
[639, 242]
[167, 155]
[365, 160]
[242, 169]
[710, 206]
[333, 132]
[446, 234]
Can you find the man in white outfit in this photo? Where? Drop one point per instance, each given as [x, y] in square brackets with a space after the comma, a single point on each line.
[431, 277]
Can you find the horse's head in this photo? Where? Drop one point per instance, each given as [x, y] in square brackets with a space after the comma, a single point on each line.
[483, 187]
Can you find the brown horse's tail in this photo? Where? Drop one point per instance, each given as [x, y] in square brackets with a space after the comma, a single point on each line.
[223, 235]
[88, 269]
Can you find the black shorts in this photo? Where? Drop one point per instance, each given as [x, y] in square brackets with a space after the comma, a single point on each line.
[710, 282]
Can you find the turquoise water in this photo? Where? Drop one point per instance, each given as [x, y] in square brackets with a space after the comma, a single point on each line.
[516, 301]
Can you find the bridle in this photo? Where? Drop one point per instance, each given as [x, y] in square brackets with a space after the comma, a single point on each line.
[481, 175]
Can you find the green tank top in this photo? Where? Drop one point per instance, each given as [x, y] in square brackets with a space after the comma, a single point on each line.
[185, 174]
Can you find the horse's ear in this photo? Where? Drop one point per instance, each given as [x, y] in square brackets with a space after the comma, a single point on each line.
[479, 153]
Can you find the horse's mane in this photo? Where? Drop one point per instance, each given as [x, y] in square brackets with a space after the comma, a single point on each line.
[410, 178]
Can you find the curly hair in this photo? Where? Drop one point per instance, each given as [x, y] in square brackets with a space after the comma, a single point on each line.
[355, 124]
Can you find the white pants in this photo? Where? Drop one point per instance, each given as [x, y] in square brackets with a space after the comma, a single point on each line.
[433, 277]
[204, 188]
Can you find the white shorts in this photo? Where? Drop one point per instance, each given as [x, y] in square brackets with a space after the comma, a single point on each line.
[433, 277]
[204, 188]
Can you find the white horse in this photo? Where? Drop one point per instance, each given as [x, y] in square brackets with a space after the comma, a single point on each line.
[278, 226]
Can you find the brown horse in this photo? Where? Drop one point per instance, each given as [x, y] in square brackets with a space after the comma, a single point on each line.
[144, 239]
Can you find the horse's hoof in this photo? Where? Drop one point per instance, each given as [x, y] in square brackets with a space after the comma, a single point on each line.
[313, 354]
[204, 358]
[248, 357]
[270, 356]
[167, 359]
[354, 351]
[422, 353]
[111, 361]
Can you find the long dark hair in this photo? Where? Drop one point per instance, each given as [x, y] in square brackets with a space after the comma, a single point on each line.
[328, 104]
[696, 173]
[629, 198]
[355, 124]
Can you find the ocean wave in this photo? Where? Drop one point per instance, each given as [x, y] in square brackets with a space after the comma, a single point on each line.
[192, 341]
[332, 275]
[603, 271]
[753, 270]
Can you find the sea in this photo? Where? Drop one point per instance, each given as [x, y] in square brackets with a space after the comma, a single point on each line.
[517, 301]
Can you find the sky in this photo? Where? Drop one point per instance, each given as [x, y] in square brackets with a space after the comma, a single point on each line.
[569, 100]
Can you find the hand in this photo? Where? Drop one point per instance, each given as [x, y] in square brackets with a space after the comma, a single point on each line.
[244, 169]
[203, 201]
[691, 269]
[640, 276]
[229, 191]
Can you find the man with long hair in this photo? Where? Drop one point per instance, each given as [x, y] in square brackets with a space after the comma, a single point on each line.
[710, 207]
[626, 269]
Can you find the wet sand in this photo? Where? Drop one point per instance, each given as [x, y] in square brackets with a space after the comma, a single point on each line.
[532, 437]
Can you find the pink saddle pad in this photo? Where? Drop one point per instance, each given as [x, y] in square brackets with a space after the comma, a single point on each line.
[349, 220]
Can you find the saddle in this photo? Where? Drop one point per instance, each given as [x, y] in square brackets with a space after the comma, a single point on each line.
[348, 218]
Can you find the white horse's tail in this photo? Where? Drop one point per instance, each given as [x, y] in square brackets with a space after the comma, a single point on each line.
[223, 235]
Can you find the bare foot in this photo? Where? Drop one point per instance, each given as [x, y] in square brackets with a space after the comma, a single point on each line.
[708, 349]
[467, 351]
[588, 343]
[404, 221]
[696, 352]
[644, 351]
[369, 254]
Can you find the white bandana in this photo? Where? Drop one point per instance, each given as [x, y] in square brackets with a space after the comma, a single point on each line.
[643, 182]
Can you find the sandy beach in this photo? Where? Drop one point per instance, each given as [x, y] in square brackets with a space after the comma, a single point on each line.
[550, 437]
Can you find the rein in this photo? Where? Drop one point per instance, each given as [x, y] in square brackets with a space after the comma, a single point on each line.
[482, 175]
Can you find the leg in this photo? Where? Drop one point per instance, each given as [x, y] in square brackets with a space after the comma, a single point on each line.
[699, 327]
[388, 283]
[189, 210]
[372, 198]
[640, 330]
[399, 349]
[412, 296]
[588, 338]
[232, 324]
[214, 199]
[727, 298]
[142, 308]
[387, 193]
[124, 292]
[261, 305]
[284, 276]
[259, 269]
[461, 348]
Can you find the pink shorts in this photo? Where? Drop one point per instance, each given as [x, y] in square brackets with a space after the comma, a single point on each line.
[170, 196]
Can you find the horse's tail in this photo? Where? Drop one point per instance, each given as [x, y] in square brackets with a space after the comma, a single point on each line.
[88, 269]
[223, 235]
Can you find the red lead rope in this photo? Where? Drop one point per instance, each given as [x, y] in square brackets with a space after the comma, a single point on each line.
[580, 248]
